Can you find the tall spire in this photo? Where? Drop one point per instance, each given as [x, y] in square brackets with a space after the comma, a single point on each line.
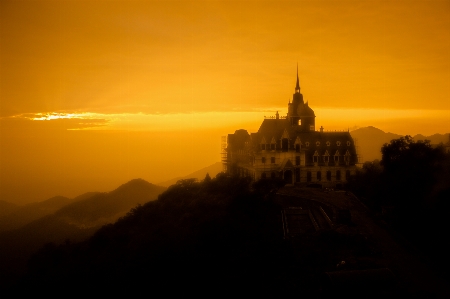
[297, 87]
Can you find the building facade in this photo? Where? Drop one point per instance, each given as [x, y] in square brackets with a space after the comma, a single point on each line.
[290, 147]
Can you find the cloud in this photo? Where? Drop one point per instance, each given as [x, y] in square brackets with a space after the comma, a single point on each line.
[57, 121]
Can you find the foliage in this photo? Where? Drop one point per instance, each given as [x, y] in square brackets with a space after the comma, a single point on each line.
[210, 231]
[410, 186]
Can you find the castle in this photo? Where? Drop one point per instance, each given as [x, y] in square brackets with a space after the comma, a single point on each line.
[290, 148]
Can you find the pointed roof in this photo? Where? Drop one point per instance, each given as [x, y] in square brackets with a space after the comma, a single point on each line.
[286, 164]
[297, 86]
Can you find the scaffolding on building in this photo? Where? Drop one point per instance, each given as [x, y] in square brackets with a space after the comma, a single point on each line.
[223, 152]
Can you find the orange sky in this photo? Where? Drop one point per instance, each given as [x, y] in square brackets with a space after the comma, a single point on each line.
[154, 84]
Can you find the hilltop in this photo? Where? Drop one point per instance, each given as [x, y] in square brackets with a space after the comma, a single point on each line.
[369, 141]
[67, 219]
[213, 170]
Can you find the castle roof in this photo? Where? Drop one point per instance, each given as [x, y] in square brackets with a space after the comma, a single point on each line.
[311, 141]
[305, 110]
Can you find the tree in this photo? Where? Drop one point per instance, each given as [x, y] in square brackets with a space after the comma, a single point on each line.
[207, 178]
[410, 169]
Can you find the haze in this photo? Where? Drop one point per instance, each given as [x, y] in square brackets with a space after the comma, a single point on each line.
[95, 93]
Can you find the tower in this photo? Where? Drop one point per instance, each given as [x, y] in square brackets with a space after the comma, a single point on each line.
[300, 114]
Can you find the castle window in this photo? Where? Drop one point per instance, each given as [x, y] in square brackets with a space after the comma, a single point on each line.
[272, 146]
[315, 159]
[311, 128]
[263, 147]
[284, 144]
[307, 144]
[297, 175]
[326, 159]
[272, 160]
[338, 143]
[297, 160]
[319, 176]
[328, 175]
[347, 158]
[338, 175]
[328, 143]
[308, 176]
[263, 160]
[297, 148]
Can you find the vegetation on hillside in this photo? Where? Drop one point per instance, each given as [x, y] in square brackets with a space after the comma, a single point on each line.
[410, 188]
[222, 233]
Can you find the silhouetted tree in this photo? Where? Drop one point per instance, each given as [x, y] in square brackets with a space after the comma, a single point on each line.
[207, 178]
[410, 170]
[367, 184]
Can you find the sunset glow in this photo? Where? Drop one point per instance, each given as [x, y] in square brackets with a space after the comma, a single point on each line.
[101, 92]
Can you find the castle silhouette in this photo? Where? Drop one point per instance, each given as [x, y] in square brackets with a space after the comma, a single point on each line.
[289, 147]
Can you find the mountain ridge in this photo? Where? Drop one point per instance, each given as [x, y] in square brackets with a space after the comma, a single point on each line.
[73, 222]
[200, 174]
[369, 141]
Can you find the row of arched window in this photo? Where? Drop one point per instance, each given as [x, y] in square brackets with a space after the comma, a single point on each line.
[327, 176]
[309, 177]
[284, 144]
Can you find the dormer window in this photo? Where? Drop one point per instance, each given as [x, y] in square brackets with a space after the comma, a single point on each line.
[316, 157]
[336, 158]
[338, 143]
[307, 144]
[317, 143]
[297, 148]
[284, 145]
[347, 158]
[273, 144]
[326, 157]
[328, 143]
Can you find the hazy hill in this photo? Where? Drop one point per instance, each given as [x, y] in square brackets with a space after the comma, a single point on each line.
[22, 215]
[213, 170]
[370, 140]
[7, 207]
[434, 139]
[75, 221]
[27, 213]
[106, 208]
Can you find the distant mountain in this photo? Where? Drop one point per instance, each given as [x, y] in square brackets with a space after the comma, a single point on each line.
[434, 139]
[74, 221]
[213, 170]
[7, 208]
[106, 208]
[30, 212]
[369, 141]
[22, 215]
